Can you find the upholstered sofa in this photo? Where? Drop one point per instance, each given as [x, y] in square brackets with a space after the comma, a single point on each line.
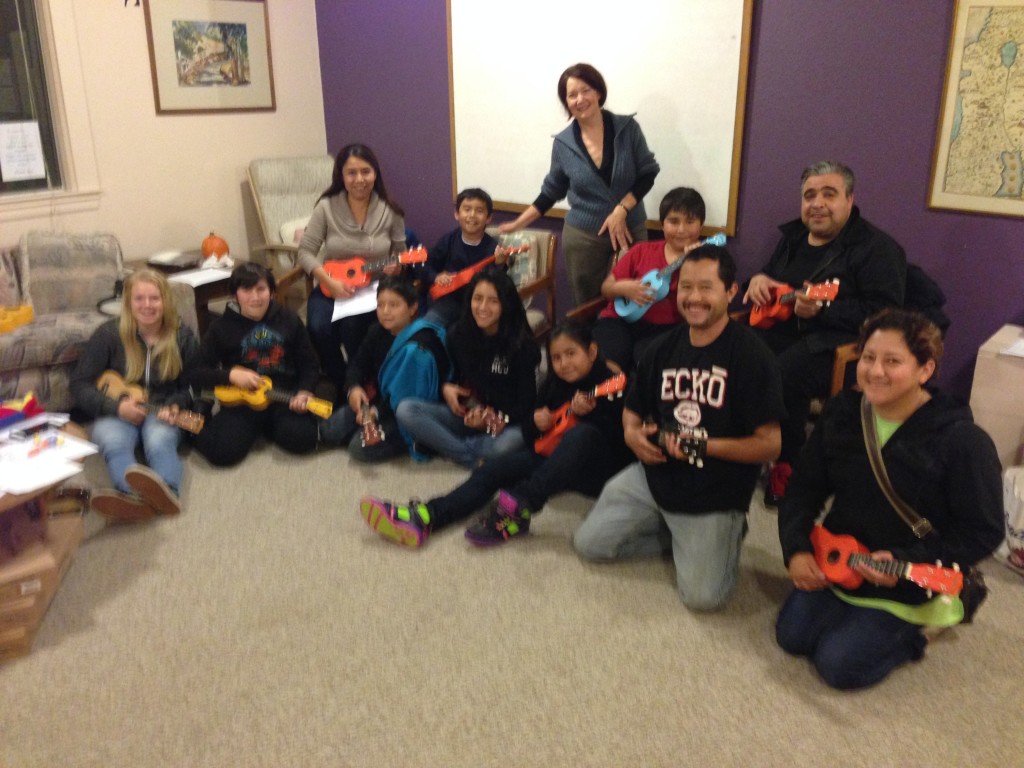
[65, 278]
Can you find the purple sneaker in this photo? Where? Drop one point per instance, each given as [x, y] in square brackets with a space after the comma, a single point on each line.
[508, 518]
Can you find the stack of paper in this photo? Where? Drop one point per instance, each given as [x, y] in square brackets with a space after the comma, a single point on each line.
[40, 461]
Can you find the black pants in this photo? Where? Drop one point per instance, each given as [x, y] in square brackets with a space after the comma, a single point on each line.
[623, 342]
[228, 437]
[582, 462]
[805, 376]
[329, 336]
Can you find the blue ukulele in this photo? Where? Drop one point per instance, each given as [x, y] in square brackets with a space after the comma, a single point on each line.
[658, 280]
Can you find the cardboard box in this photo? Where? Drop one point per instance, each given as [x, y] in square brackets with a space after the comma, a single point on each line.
[15, 642]
[996, 394]
[37, 571]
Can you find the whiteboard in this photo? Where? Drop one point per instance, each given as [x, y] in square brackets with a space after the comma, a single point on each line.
[680, 65]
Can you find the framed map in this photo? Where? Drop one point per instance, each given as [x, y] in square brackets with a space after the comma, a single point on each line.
[979, 151]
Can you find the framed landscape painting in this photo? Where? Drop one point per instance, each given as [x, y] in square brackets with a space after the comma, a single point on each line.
[979, 150]
[210, 55]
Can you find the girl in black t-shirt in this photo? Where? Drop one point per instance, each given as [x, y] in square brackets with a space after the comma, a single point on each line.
[494, 386]
[578, 454]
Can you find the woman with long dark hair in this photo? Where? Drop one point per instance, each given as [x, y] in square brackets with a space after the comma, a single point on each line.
[495, 358]
[354, 217]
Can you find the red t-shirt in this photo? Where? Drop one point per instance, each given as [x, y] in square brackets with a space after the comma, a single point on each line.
[637, 262]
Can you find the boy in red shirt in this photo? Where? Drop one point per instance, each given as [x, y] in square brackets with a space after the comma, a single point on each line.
[682, 214]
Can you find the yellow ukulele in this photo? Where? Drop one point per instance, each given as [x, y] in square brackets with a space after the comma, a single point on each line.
[259, 398]
[113, 385]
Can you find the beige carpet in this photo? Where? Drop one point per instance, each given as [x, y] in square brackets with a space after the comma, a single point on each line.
[267, 626]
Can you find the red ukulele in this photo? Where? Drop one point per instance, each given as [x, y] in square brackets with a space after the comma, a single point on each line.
[836, 555]
[780, 307]
[564, 419]
[358, 272]
[463, 276]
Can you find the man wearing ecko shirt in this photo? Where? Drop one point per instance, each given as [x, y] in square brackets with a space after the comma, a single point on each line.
[702, 414]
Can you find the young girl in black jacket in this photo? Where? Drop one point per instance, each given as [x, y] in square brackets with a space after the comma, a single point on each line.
[590, 450]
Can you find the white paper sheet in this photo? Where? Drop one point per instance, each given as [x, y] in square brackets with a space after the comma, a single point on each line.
[364, 300]
[21, 151]
[196, 277]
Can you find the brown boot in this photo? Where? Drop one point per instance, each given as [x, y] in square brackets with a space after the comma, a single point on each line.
[153, 490]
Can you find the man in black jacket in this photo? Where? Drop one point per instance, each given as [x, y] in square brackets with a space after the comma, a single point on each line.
[830, 241]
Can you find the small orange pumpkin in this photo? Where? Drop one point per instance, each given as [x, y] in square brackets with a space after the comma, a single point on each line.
[215, 245]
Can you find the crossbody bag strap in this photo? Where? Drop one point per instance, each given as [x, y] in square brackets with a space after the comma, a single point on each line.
[921, 526]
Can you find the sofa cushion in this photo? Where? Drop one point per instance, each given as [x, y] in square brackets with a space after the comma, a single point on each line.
[47, 259]
[48, 340]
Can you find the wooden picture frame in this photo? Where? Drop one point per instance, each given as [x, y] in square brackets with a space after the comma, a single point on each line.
[210, 56]
[978, 162]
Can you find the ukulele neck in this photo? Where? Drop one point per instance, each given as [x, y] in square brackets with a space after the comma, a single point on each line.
[896, 568]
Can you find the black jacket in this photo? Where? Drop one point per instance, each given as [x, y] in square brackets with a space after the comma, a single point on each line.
[871, 268]
[939, 461]
[277, 346]
[104, 352]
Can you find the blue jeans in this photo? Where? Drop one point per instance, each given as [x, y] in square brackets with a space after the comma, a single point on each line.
[433, 425]
[627, 522]
[850, 646]
[117, 441]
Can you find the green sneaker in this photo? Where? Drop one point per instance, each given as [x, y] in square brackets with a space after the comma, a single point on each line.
[508, 518]
[408, 525]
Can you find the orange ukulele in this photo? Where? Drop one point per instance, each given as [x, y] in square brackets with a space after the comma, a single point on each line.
[261, 397]
[837, 554]
[780, 308]
[113, 385]
[463, 276]
[358, 271]
[564, 419]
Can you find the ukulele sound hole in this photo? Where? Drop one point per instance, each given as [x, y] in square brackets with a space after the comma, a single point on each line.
[833, 557]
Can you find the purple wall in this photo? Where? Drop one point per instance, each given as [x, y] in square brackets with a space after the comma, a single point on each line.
[858, 81]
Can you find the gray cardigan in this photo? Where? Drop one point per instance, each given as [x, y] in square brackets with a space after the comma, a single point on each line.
[333, 226]
[573, 175]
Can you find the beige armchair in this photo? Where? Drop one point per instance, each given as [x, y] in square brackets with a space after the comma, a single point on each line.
[533, 272]
[284, 191]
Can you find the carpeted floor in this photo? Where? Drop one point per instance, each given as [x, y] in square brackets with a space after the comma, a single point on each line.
[267, 626]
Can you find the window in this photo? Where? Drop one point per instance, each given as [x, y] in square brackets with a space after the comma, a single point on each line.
[28, 146]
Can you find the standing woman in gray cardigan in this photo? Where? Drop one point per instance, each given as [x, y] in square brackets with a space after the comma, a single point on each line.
[602, 163]
[354, 216]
